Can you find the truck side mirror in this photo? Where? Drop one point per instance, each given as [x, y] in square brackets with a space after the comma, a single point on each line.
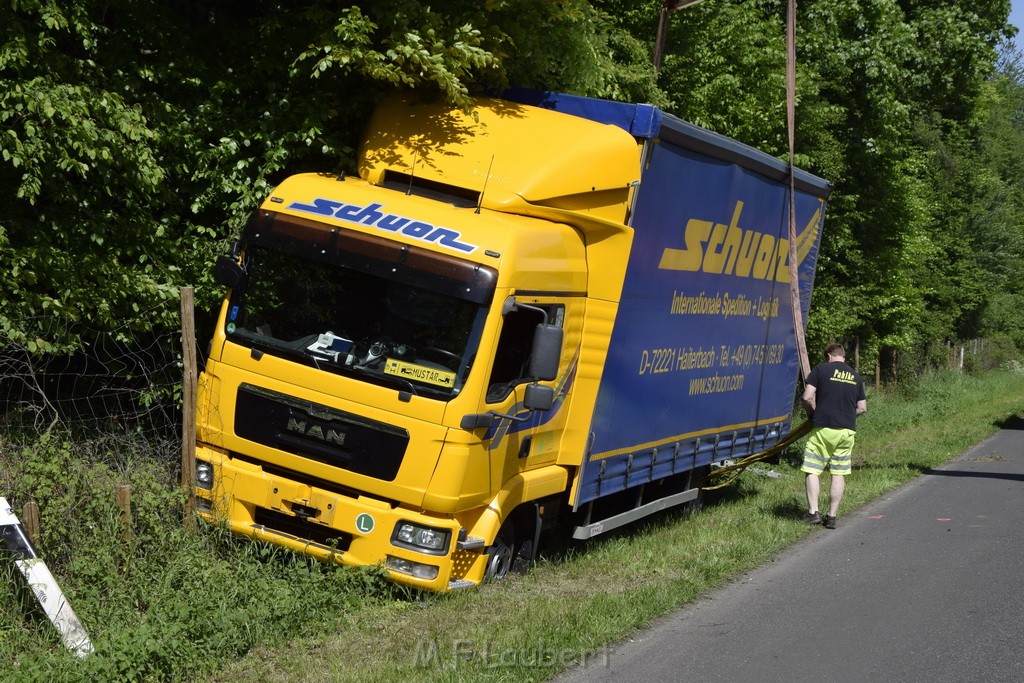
[227, 272]
[538, 397]
[547, 351]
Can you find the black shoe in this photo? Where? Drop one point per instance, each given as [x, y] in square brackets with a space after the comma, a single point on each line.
[830, 522]
[812, 518]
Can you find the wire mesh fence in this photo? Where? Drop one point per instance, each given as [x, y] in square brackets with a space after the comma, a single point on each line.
[119, 382]
[92, 439]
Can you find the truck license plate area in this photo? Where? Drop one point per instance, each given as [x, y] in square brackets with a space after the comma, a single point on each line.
[304, 512]
[289, 525]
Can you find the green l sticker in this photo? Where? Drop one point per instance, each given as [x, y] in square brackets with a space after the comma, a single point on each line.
[364, 523]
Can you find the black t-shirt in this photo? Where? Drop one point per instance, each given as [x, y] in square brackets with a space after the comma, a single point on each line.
[838, 389]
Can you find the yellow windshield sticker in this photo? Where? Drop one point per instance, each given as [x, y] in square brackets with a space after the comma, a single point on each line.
[419, 373]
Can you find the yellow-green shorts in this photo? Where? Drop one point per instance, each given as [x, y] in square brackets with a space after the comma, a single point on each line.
[828, 447]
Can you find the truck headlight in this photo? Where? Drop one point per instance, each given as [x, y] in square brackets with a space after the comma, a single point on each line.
[417, 569]
[422, 538]
[204, 475]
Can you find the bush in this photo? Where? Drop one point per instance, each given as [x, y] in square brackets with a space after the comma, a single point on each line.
[158, 601]
[990, 354]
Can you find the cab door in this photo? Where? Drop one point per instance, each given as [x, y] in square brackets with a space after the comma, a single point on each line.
[520, 439]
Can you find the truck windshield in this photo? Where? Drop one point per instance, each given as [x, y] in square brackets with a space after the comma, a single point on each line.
[360, 305]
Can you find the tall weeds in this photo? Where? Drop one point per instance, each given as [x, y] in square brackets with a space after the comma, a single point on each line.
[163, 603]
[158, 602]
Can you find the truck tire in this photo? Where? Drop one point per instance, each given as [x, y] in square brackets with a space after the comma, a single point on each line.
[501, 553]
[513, 548]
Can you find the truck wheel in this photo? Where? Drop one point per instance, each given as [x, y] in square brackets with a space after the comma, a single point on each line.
[501, 554]
[512, 550]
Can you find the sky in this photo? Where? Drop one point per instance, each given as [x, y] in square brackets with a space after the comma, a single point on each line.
[1017, 17]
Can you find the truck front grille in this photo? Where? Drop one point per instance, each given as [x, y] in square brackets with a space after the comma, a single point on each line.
[314, 431]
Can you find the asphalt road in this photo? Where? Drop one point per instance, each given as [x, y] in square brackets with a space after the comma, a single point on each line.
[924, 584]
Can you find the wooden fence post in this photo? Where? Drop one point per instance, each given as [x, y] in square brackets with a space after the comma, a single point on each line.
[123, 495]
[188, 400]
[31, 523]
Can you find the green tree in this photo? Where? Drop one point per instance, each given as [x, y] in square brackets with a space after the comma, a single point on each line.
[890, 98]
[897, 219]
[997, 220]
[79, 170]
[135, 137]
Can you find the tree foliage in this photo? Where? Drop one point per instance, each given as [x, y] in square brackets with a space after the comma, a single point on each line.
[895, 104]
[135, 136]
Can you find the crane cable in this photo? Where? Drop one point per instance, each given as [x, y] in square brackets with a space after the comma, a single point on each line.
[794, 266]
[794, 282]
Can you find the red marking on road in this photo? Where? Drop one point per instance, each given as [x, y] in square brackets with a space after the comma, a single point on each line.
[943, 519]
[877, 517]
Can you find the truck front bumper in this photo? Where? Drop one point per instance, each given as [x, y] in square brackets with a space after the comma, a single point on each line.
[349, 529]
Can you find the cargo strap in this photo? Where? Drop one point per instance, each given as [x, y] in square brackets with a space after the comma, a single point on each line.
[737, 467]
[794, 283]
[799, 432]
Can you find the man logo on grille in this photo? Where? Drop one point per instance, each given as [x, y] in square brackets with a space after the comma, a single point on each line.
[315, 431]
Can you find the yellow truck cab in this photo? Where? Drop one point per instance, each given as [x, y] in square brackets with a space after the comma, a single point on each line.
[419, 367]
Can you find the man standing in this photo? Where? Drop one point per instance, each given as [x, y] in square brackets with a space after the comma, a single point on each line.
[834, 397]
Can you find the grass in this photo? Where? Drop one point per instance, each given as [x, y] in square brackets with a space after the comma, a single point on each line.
[572, 605]
[200, 606]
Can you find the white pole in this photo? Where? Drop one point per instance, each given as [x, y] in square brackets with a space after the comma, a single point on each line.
[42, 583]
